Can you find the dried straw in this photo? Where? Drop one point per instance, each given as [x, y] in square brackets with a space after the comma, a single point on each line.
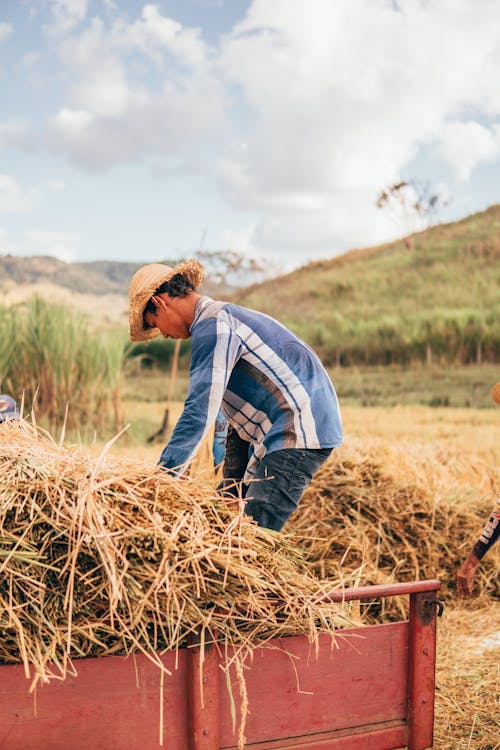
[106, 556]
[363, 522]
[468, 678]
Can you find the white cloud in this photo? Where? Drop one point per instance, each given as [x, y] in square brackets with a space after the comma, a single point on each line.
[14, 197]
[343, 96]
[16, 133]
[310, 107]
[30, 59]
[155, 35]
[6, 30]
[66, 15]
[466, 144]
[115, 113]
[62, 245]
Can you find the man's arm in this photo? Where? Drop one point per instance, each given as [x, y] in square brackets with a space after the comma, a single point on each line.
[489, 536]
[215, 349]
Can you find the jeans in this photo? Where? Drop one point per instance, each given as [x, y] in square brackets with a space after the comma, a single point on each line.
[279, 481]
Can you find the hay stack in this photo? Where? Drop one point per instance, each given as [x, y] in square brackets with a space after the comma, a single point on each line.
[362, 521]
[105, 556]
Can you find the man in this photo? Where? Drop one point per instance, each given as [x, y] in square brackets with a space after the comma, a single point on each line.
[275, 394]
[489, 536]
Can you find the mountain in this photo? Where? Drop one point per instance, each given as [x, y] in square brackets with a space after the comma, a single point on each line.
[99, 288]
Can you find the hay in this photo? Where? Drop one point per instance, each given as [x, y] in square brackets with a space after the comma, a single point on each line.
[366, 522]
[467, 678]
[107, 556]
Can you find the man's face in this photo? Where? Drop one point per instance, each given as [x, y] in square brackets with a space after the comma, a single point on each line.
[169, 317]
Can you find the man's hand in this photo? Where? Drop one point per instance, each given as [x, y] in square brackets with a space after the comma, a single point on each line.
[465, 576]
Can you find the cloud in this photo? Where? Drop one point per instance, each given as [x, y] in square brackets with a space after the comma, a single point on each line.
[30, 59]
[17, 134]
[14, 197]
[301, 114]
[62, 245]
[466, 144]
[66, 15]
[115, 113]
[6, 30]
[343, 97]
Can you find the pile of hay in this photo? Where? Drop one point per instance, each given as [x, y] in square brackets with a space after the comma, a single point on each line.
[468, 655]
[105, 556]
[368, 523]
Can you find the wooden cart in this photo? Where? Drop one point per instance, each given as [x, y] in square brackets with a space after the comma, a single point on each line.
[373, 691]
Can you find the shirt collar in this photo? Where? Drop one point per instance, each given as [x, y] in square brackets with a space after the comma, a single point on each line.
[201, 303]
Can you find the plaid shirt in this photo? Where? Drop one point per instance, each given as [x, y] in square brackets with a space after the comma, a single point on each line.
[270, 385]
[490, 533]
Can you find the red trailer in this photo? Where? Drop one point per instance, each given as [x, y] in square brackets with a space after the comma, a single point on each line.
[373, 691]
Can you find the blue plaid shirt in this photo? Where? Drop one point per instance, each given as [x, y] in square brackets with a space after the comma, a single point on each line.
[269, 384]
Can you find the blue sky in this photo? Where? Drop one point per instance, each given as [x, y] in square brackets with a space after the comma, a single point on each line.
[131, 130]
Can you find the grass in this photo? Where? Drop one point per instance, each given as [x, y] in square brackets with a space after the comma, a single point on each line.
[386, 304]
[459, 386]
[69, 372]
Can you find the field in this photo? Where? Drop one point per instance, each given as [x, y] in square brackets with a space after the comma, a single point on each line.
[457, 453]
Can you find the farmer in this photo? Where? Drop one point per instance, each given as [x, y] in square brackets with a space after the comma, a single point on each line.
[281, 407]
[487, 539]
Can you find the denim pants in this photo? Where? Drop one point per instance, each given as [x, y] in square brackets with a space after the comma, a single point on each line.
[279, 481]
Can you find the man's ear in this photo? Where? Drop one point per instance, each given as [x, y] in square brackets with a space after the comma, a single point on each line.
[159, 301]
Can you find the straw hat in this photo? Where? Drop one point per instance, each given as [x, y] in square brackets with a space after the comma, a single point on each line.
[145, 282]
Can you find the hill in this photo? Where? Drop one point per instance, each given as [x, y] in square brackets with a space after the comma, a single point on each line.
[384, 304]
[84, 285]
[436, 303]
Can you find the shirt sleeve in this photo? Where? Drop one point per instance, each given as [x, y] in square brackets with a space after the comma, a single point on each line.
[215, 349]
[490, 533]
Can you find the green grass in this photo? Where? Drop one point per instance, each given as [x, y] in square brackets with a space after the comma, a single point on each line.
[464, 386]
[457, 387]
[382, 305]
[58, 363]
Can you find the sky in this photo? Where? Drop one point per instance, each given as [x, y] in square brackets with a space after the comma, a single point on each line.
[143, 131]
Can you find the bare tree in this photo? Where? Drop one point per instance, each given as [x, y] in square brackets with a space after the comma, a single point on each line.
[411, 205]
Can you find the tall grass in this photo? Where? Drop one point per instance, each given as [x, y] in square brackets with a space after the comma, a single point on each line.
[7, 323]
[65, 369]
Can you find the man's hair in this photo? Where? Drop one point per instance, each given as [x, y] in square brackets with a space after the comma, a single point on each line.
[177, 286]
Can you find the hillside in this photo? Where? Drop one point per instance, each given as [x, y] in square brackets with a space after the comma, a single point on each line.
[381, 305]
[446, 287]
[453, 265]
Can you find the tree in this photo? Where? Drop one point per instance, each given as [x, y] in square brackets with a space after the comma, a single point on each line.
[411, 205]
